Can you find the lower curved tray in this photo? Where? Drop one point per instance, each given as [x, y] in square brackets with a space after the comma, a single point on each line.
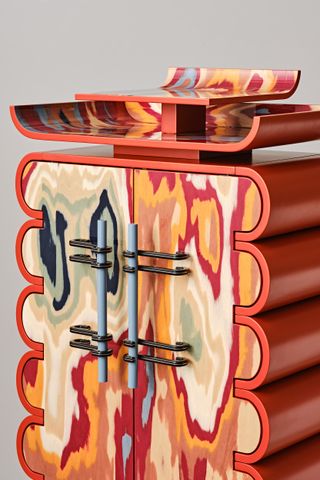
[229, 128]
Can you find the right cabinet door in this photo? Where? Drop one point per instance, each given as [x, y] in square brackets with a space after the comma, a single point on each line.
[187, 421]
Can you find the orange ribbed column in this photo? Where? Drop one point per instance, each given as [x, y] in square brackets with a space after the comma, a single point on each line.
[285, 318]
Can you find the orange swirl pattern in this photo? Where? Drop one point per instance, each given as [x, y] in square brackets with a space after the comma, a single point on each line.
[244, 81]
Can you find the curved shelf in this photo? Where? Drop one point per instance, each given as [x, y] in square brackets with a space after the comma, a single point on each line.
[210, 86]
[229, 128]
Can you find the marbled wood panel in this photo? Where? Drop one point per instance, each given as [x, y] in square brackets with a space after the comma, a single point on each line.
[187, 422]
[88, 427]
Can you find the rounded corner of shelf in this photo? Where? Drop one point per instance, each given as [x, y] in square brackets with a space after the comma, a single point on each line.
[14, 112]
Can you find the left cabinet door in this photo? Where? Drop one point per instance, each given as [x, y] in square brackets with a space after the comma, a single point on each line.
[88, 427]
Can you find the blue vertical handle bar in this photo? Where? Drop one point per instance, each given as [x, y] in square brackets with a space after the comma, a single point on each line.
[133, 304]
[102, 299]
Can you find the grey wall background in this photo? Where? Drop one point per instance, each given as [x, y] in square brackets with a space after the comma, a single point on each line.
[50, 49]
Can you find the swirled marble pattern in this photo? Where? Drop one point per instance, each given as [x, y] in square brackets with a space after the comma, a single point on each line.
[233, 80]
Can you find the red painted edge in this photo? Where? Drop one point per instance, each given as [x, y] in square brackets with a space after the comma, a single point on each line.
[242, 386]
[36, 348]
[261, 449]
[30, 355]
[33, 223]
[248, 469]
[265, 202]
[26, 423]
[261, 300]
[261, 374]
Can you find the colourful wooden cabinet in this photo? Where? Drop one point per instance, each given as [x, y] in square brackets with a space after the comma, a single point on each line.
[240, 398]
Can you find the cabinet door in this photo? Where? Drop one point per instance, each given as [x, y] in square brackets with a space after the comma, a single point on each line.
[87, 432]
[187, 421]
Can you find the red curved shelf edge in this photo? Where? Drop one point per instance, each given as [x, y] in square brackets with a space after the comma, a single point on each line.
[265, 131]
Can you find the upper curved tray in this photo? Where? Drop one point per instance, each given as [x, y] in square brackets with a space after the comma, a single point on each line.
[210, 86]
[229, 128]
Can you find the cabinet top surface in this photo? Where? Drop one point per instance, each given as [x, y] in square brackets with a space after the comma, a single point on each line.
[263, 158]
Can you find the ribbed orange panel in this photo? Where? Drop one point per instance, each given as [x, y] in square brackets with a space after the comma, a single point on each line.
[285, 318]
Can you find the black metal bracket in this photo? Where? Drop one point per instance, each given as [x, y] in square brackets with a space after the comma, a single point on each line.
[178, 347]
[150, 253]
[88, 259]
[176, 362]
[81, 258]
[84, 344]
[86, 330]
[178, 271]
[82, 243]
